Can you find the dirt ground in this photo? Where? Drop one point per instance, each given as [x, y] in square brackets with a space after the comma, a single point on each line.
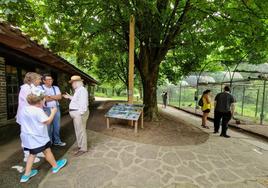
[166, 132]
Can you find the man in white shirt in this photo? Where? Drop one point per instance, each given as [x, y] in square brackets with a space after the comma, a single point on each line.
[53, 95]
[79, 112]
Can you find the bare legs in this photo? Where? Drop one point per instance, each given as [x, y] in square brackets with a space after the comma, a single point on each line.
[49, 157]
[204, 120]
[29, 164]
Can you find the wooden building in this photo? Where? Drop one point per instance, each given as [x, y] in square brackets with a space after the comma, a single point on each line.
[19, 55]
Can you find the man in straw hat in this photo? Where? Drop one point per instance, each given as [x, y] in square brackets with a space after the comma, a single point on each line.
[78, 109]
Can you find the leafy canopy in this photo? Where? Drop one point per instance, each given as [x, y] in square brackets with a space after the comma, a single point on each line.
[183, 35]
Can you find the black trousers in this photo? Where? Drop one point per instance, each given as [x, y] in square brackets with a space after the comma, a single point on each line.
[165, 102]
[224, 118]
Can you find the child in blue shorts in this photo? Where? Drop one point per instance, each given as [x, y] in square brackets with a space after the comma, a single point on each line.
[34, 134]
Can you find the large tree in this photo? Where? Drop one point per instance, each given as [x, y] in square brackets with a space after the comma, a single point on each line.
[162, 26]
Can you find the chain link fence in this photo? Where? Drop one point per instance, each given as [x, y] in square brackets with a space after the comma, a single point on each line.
[251, 98]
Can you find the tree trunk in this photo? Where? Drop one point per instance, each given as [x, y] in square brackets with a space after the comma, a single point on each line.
[149, 75]
[150, 97]
[148, 66]
[118, 92]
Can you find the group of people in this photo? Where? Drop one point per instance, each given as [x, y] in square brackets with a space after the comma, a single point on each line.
[39, 118]
[224, 107]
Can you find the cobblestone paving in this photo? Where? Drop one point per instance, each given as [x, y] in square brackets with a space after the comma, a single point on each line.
[117, 163]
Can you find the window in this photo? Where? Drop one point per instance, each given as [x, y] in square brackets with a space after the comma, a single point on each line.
[12, 84]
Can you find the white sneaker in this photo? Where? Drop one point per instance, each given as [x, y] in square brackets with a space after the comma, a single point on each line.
[36, 160]
[40, 155]
[60, 144]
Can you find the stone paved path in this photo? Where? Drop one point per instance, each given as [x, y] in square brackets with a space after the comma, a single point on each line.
[117, 163]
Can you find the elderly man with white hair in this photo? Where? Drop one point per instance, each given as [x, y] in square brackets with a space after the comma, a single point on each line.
[78, 109]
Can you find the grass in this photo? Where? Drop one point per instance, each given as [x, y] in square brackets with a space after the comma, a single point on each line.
[248, 111]
[119, 98]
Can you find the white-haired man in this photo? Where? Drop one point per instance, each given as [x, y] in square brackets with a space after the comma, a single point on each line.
[78, 109]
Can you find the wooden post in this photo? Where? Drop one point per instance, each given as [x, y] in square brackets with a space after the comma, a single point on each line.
[107, 123]
[142, 119]
[131, 59]
[131, 62]
[136, 126]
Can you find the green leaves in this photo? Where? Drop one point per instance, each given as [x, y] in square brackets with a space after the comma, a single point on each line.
[183, 35]
[5, 2]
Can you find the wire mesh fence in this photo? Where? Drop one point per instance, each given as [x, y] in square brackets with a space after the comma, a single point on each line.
[251, 98]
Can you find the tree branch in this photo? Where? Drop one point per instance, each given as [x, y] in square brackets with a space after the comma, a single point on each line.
[174, 31]
[171, 17]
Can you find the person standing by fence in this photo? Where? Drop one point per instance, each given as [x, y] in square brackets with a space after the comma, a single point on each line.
[206, 107]
[164, 97]
[224, 111]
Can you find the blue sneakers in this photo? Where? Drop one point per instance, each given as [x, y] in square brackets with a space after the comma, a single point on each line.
[25, 178]
[60, 164]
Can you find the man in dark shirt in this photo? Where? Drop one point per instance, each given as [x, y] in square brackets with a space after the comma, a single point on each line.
[164, 97]
[224, 110]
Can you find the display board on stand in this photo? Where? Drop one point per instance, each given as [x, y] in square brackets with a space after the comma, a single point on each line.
[131, 112]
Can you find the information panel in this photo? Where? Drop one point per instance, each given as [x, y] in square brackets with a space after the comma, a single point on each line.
[125, 111]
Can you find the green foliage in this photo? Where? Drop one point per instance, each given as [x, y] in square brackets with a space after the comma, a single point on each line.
[173, 37]
[228, 29]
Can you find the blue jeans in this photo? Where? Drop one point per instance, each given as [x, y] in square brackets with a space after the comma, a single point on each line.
[54, 127]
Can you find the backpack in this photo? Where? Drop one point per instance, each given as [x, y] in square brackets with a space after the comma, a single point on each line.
[200, 102]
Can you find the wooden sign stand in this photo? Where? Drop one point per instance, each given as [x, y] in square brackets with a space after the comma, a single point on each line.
[131, 62]
[131, 59]
[131, 75]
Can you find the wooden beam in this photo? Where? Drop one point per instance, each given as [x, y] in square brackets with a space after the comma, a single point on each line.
[60, 65]
[41, 55]
[50, 59]
[24, 46]
[12, 42]
[131, 59]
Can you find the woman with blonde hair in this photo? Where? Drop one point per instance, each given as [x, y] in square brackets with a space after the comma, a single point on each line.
[31, 81]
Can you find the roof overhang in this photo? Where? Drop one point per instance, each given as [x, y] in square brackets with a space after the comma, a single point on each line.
[15, 39]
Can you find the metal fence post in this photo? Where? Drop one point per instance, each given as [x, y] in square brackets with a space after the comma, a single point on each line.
[257, 103]
[169, 95]
[180, 97]
[263, 102]
[243, 99]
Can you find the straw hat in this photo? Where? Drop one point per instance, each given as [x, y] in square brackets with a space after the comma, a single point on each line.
[75, 78]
